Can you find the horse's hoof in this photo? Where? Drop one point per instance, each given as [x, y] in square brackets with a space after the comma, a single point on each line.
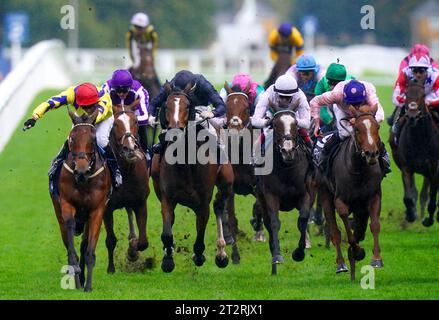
[229, 240]
[427, 222]
[411, 216]
[132, 255]
[198, 260]
[342, 268]
[377, 263]
[221, 262]
[88, 289]
[259, 237]
[298, 255]
[359, 254]
[111, 270]
[168, 264]
[277, 259]
[236, 258]
[142, 246]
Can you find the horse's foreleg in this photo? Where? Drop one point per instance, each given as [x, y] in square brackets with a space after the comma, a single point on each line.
[273, 224]
[334, 231]
[410, 195]
[432, 205]
[141, 219]
[132, 234]
[155, 174]
[423, 196]
[375, 228]
[302, 224]
[110, 241]
[68, 216]
[84, 244]
[257, 222]
[199, 246]
[94, 225]
[167, 239]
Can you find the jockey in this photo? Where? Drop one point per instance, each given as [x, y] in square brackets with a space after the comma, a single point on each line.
[421, 49]
[286, 93]
[336, 73]
[307, 74]
[85, 98]
[203, 94]
[124, 90]
[348, 93]
[140, 33]
[286, 36]
[419, 69]
[242, 80]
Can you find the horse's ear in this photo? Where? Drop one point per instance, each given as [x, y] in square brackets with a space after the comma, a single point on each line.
[247, 88]
[93, 117]
[75, 119]
[227, 87]
[369, 109]
[168, 87]
[353, 111]
[190, 87]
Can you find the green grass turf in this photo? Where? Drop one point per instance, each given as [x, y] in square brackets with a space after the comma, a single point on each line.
[32, 253]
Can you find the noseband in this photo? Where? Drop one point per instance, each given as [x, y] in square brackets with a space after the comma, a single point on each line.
[247, 124]
[127, 134]
[286, 137]
[358, 149]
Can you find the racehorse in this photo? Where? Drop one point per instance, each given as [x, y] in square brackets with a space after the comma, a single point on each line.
[238, 124]
[289, 186]
[145, 73]
[417, 151]
[188, 184]
[134, 191]
[84, 187]
[353, 185]
[281, 66]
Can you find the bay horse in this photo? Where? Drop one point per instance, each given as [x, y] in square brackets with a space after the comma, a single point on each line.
[84, 187]
[281, 66]
[353, 185]
[239, 125]
[145, 73]
[190, 185]
[134, 191]
[289, 186]
[417, 151]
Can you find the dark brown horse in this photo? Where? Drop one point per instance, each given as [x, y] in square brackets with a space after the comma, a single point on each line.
[240, 130]
[417, 151]
[189, 184]
[354, 186]
[145, 73]
[281, 66]
[84, 186]
[289, 186]
[134, 191]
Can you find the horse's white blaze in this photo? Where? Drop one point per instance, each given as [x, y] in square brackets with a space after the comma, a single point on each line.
[368, 125]
[177, 109]
[236, 121]
[287, 121]
[126, 122]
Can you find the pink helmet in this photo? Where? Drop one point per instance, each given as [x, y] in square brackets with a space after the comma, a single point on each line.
[420, 49]
[241, 80]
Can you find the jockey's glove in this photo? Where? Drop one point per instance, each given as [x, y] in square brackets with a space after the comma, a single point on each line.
[151, 120]
[30, 123]
[207, 115]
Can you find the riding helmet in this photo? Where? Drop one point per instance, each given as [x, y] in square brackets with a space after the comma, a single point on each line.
[286, 85]
[285, 29]
[140, 19]
[306, 63]
[419, 61]
[336, 72]
[86, 94]
[121, 78]
[354, 92]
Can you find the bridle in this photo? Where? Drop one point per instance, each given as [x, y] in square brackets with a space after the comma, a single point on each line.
[243, 94]
[127, 134]
[90, 156]
[285, 137]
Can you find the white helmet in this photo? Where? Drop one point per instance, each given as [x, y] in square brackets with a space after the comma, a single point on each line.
[419, 61]
[140, 19]
[286, 85]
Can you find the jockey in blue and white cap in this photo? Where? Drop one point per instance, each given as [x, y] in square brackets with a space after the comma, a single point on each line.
[124, 90]
[307, 74]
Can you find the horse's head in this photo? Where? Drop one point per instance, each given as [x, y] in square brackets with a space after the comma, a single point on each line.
[415, 100]
[238, 109]
[82, 145]
[178, 105]
[366, 133]
[146, 67]
[124, 134]
[285, 131]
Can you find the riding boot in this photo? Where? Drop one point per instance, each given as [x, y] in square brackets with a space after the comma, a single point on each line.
[143, 140]
[116, 176]
[59, 159]
[158, 147]
[384, 160]
[329, 145]
[391, 119]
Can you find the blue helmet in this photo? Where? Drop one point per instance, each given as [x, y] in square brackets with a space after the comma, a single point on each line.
[354, 92]
[285, 29]
[306, 63]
